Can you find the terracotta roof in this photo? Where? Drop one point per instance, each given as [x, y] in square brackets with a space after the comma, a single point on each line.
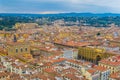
[100, 68]
[58, 60]
[14, 76]
[115, 75]
[74, 44]
[85, 63]
[38, 75]
[91, 71]
[3, 74]
[16, 43]
[69, 70]
[114, 61]
[49, 70]
[71, 76]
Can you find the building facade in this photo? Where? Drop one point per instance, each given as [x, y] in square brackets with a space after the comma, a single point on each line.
[93, 54]
[15, 48]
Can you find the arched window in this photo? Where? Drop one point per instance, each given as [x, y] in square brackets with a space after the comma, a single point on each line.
[16, 50]
[25, 49]
[21, 50]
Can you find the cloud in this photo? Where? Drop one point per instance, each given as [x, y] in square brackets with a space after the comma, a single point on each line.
[54, 6]
[49, 12]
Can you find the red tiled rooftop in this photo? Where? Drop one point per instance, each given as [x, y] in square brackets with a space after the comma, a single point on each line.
[114, 61]
[72, 43]
[100, 68]
[58, 60]
[91, 71]
[72, 76]
[115, 76]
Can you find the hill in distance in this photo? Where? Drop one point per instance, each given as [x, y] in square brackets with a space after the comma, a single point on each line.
[64, 14]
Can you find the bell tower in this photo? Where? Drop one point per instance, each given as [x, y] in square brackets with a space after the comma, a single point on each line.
[14, 38]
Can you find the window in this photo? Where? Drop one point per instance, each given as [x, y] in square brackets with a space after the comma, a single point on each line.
[23, 72]
[25, 49]
[16, 50]
[21, 50]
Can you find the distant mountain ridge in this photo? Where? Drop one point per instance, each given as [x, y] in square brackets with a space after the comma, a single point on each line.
[64, 14]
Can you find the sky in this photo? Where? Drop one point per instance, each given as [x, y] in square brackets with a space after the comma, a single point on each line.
[59, 6]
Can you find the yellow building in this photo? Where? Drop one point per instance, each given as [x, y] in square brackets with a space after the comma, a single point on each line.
[17, 48]
[5, 34]
[93, 54]
[26, 25]
[20, 50]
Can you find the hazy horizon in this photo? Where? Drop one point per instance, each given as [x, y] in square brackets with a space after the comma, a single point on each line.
[62, 13]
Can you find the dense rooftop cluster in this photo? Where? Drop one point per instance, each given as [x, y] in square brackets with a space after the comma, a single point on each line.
[33, 52]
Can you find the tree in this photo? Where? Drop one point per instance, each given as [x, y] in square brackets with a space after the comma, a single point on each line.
[98, 34]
